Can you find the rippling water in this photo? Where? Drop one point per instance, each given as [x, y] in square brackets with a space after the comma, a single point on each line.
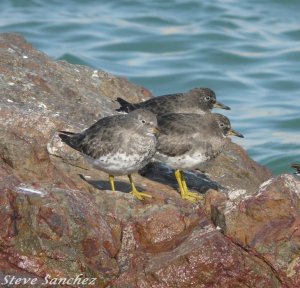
[247, 51]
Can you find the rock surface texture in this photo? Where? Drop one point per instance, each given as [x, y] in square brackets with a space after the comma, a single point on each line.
[57, 217]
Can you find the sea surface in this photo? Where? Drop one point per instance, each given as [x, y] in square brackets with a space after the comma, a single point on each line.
[247, 51]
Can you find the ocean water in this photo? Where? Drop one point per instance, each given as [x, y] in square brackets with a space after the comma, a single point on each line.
[248, 52]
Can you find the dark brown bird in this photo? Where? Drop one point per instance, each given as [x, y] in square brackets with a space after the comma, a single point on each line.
[197, 100]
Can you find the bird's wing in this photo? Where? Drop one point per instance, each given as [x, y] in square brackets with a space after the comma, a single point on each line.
[167, 146]
[174, 139]
[180, 133]
[180, 124]
[160, 104]
[98, 139]
[101, 143]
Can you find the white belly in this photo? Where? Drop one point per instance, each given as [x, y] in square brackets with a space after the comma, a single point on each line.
[117, 164]
[183, 161]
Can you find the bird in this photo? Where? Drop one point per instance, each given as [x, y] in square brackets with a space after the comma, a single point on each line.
[118, 145]
[297, 168]
[187, 140]
[197, 100]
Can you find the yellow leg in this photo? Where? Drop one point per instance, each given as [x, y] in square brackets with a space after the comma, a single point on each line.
[112, 183]
[178, 178]
[191, 196]
[135, 192]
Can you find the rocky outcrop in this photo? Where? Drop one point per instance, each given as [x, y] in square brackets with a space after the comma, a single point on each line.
[267, 224]
[58, 218]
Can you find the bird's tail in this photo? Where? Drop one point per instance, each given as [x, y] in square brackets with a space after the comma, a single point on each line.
[68, 138]
[296, 167]
[125, 106]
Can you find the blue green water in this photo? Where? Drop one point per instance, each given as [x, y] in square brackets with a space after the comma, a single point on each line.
[248, 52]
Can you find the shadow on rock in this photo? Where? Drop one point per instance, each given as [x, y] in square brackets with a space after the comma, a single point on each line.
[120, 186]
[163, 174]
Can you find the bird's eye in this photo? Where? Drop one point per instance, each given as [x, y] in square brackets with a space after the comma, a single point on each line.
[222, 125]
[143, 121]
[207, 98]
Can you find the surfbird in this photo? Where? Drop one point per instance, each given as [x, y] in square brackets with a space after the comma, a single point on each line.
[118, 145]
[297, 168]
[197, 100]
[187, 140]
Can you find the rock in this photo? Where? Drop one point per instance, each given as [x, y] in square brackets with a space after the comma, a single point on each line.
[55, 220]
[268, 224]
[205, 259]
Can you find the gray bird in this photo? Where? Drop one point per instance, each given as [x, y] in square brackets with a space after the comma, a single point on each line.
[297, 168]
[118, 145]
[187, 140]
[197, 100]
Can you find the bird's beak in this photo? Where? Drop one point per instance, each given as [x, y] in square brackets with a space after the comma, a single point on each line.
[155, 130]
[235, 133]
[221, 106]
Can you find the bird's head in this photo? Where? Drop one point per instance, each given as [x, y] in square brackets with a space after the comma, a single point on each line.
[206, 99]
[145, 121]
[225, 126]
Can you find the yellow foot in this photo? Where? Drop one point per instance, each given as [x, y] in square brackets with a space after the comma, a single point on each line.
[184, 191]
[191, 196]
[140, 195]
[136, 193]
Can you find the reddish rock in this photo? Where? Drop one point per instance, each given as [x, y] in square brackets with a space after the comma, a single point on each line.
[205, 259]
[164, 229]
[268, 223]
